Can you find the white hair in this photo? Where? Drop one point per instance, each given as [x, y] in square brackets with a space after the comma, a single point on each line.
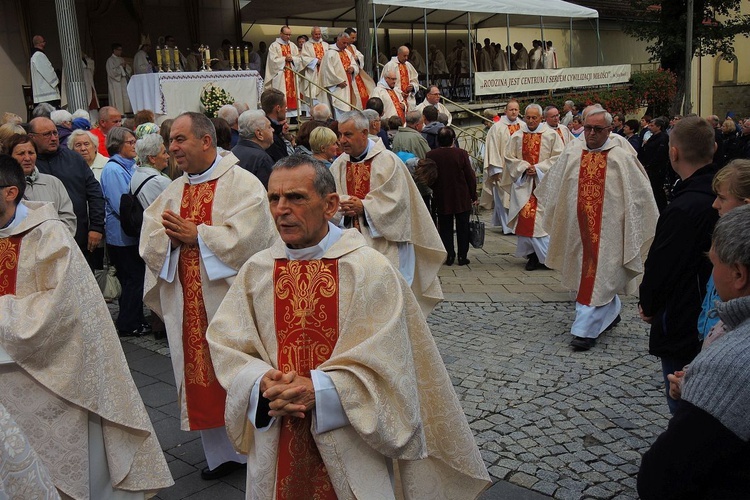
[79, 132]
[535, 106]
[60, 116]
[81, 113]
[229, 113]
[250, 121]
[148, 145]
[321, 112]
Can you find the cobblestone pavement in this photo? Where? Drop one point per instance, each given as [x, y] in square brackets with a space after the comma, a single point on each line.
[550, 422]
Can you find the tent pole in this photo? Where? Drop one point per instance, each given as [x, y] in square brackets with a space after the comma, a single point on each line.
[507, 33]
[598, 42]
[541, 26]
[375, 36]
[570, 46]
[471, 52]
[426, 51]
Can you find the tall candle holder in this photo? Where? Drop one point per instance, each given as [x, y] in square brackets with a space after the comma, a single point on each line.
[247, 58]
[177, 63]
[238, 58]
[158, 59]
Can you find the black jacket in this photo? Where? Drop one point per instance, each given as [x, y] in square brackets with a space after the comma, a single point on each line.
[430, 132]
[277, 150]
[254, 159]
[677, 267]
[84, 190]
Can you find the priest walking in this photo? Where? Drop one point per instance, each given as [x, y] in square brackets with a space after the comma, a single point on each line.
[283, 56]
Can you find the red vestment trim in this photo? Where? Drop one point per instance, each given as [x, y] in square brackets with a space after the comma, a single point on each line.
[592, 175]
[399, 107]
[204, 396]
[319, 52]
[9, 251]
[403, 73]
[346, 63]
[559, 132]
[358, 182]
[306, 307]
[513, 128]
[290, 84]
[527, 216]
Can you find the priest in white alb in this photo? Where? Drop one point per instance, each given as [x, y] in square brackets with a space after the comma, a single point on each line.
[380, 199]
[282, 56]
[407, 78]
[432, 98]
[496, 141]
[552, 119]
[338, 72]
[335, 387]
[311, 55]
[531, 152]
[65, 380]
[601, 216]
[393, 100]
[195, 237]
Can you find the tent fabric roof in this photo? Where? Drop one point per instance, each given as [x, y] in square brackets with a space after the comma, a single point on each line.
[403, 13]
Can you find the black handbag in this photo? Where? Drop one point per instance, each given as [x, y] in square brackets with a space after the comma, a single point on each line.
[476, 229]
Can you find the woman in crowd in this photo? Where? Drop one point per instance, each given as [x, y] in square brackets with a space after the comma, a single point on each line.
[630, 131]
[324, 145]
[41, 187]
[728, 140]
[8, 130]
[303, 137]
[154, 161]
[86, 144]
[166, 127]
[576, 126]
[123, 249]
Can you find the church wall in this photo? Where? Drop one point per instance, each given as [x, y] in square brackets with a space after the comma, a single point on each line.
[12, 61]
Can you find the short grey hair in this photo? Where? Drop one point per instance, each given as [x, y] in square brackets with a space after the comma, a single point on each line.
[81, 113]
[250, 121]
[601, 111]
[323, 181]
[321, 112]
[73, 137]
[413, 117]
[535, 106]
[356, 116]
[570, 103]
[371, 115]
[342, 35]
[148, 145]
[44, 109]
[116, 138]
[201, 125]
[60, 116]
[731, 237]
[229, 113]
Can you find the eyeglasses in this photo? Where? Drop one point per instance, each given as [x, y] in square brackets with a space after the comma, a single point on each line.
[46, 135]
[131, 142]
[597, 130]
[553, 116]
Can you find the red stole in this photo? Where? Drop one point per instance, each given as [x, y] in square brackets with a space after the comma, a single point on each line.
[591, 178]
[9, 250]
[346, 62]
[358, 181]
[306, 316]
[204, 396]
[514, 127]
[290, 84]
[403, 73]
[397, 104]
[560, 133]
[526, 217]
[319, 52]
[364, 95]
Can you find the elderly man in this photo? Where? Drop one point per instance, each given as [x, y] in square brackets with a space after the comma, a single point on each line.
[322, 113]
[282, 57]
[703, 452]
[312, 53]
[677, 269]
[407, 78]
[196, 235]
[44, 81]
[567, 113]
[230, 114]
[79, 181]
[65, 380]
[433, 99]
[109, 118]
[494, 163]
[393, 100]
[409, 138]
[118, 73]
[337, 75]
[601, 217]
[380, 199]
[360, 388]
[552, 119]
[531, 152]
[256, 135]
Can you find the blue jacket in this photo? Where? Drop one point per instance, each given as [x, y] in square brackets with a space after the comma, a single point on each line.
[115, 182]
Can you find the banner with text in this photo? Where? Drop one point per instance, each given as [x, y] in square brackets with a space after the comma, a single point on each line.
[512, 82]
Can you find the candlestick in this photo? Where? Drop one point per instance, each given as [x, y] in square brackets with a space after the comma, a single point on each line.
[158, 58]
[247, 58]
[208, 59]
[238, 57]
[168, 58]
[231, 58]
[177, 59]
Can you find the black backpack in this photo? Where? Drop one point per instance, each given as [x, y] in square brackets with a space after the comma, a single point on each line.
[131, 211]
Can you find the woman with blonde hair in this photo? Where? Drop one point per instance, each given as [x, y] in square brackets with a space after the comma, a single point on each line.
[8, 130]
[324, 145]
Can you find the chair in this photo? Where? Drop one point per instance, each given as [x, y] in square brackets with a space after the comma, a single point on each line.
[28, 98]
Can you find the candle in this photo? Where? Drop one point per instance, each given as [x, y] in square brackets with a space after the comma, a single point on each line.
[238, 56]
[231, 58]
[168, 58]
[208, 58]
[247, 58]
[158, 57]
[176, 59]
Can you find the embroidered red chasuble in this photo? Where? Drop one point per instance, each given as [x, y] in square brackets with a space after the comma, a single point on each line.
[307, 328]
[319, 53]
[591, 178]
[358, 181]
[346, 63]
[403, 73]
[397, 104]
[204, 396]
[9, 251]
[513, 128]
[530, 151]
[289, 80]
[364, 95]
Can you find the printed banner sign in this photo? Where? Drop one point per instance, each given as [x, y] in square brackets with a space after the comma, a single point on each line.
[512, 82]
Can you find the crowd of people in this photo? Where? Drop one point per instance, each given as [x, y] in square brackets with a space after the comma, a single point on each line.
[292, 275]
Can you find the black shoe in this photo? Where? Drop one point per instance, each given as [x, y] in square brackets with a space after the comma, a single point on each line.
[145, 329]
[463, 261]
[533, 263]
[125, 333]
[449, 260]
[223, 470]
[582, 343]
[613, 324]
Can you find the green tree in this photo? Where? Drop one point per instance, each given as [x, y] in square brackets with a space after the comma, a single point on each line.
[663, 25]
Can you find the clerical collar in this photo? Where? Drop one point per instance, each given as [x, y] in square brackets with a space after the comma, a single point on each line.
[601, 148]
[205, 175]
[316, 251]
[357, 159]
[21, 212]
[282, 42]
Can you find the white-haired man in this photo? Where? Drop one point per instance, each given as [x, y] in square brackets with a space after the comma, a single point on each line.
[230, 114]
[531, 152]
[601, 218]
[256, 135]
[407, 78]
[282, 57]
[338, 70]
[321, 112]
[432, 98]
[567, 113]
[393, 100]
[380, 199]
[312, 54]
